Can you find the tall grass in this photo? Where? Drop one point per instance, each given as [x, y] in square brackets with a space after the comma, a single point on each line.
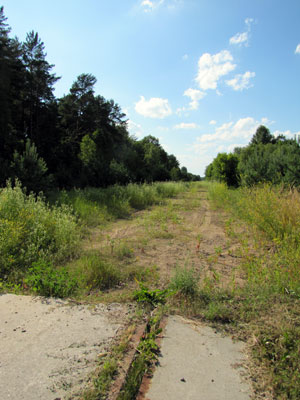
[274, 216]
[31, 230]
[97, 205]
[268, 305]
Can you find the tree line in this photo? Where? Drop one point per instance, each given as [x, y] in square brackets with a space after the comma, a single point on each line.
[266, 159]
[78, 140]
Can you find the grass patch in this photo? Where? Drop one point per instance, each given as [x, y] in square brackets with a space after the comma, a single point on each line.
[96, 206]
[185, 282]
[94, 272]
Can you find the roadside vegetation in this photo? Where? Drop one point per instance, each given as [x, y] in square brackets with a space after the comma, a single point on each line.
[263, 307]
[41, 244]
[102, 244]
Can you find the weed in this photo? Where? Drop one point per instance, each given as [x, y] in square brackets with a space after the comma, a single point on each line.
[93, 272]
[147, 353]
[267, 306]
[46, 280]
[185, 282]
[218, 311]
[123, 250]
[151, 297]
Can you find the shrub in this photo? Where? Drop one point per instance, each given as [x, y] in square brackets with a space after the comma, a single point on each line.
[30, 230]
[46, 280]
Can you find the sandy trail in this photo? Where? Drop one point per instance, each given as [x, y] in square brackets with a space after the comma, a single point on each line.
[48, 348]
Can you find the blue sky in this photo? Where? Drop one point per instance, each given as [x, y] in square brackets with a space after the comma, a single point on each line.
[201, 75]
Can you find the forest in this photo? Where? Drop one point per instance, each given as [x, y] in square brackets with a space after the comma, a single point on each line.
[78, 140]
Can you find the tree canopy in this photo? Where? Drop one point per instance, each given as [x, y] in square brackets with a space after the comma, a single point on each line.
[77, 140]
[266, 159]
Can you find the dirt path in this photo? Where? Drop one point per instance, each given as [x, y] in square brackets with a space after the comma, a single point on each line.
[184, 233]
[49, 347]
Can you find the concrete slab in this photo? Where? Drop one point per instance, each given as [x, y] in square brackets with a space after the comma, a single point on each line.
[198, 364]
[48, 348]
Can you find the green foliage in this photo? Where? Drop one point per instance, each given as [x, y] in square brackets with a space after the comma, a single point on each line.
[30, 230]
[273, 162]
[87, 134]
[95, 206]
[185, 282]
[46, 280]
[93, 272]
[147, 353]
[280, 349]
[262, 136]
[265, 159]
[134, 379]
[30, 169]
[148, 346]
[151, 297]
[273, 214]
[103, 381]
[224, 169]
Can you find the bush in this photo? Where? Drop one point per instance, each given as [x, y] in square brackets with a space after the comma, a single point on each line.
[46, 280]
[30, 231]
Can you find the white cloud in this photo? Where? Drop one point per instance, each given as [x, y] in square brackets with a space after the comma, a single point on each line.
[297, 51]
[135, 129]
[212, 122]
[248, 22]
[195, 95]
[181, 110]
[153, 108]
[241, 81]
[239, 38]
[244, 129]
[242, 38]
[148, 5]
[200, 148]
[151, 5]
[186, 125]
[288, 134]
[212, 67]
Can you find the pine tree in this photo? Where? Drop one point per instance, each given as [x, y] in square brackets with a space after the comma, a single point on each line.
[38, 88]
